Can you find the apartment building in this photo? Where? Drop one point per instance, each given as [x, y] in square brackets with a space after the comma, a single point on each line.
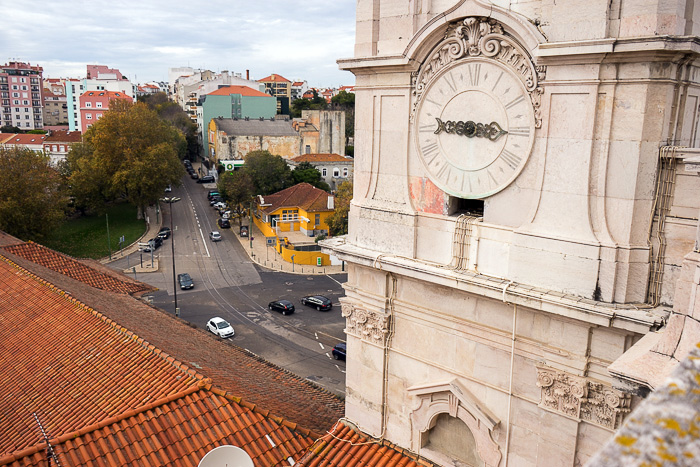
[20, 96]
[93, 105]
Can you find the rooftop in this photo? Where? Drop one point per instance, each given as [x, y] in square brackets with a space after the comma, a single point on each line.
[253, 127]
[302, 195]
[242, 90]
[317, 158]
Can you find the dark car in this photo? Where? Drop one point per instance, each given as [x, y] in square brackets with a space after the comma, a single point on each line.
[339, 351]
[213, 193]
[164, 233]
[319, 302]
[283, 306]
[215, 199]
[156, 242]
[194, 176]
[224, 223]
[206, 179]
[185, 281]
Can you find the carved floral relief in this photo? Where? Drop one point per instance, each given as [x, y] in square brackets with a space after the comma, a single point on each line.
[366, 325]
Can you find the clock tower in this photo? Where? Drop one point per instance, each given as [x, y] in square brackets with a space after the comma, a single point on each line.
[524, 199]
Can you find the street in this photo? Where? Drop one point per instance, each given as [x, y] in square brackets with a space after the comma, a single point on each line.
[229, 285]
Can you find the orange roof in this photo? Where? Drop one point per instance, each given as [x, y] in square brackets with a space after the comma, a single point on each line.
[343, 446]
[110, 94]
[5, 136]
[70, 364]
[302, 195]
[25, 139]
[242, 90]
[64, 136]
[315, 158]
[298, 83]
[70, 267]
[275, 78]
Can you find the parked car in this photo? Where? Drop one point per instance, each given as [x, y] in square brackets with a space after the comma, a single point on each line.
[215, 199]
[213, 193]
[220, 327]
[215, 236]
[283, 306]
[339, 351]
[164, 233]
[319, 302]
[224, 223]
[156, 242]
[185, 281]
[206, 179]
[168, 188]
[220, 205]
[194, 176]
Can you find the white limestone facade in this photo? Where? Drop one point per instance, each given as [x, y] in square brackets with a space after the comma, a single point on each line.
[524, 197]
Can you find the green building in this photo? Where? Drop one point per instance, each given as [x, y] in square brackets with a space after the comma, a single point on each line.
[236, 102]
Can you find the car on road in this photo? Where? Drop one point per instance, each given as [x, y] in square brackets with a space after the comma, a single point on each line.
[220, 205]
[220, 327]
[153, 244]
[283, 306]
[339, 351]
[215, 199]
[164, 233]
[194, 176]
[224, 223]
[206, 179]
[215, 236]
[319, 302]
[212, 193]
[185, 281]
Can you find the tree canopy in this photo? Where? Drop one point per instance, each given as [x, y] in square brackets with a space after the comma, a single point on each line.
[315, 103]
[268, 173]
[338, 221]
[33, 195]
[237, 188]
[171, 112]
[130, 153]
[305, 172]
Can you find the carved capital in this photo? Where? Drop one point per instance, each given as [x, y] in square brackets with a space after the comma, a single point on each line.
[481, 37]
[581, 398]
[367, 325]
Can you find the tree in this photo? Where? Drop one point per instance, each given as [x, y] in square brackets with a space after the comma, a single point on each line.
[305, 172]
[338, 221]
[237, 188]
[268, 173]
[33, 195]
[130, 153]
[344, 99]
[10, 129]
[171, 112]
[315, 103]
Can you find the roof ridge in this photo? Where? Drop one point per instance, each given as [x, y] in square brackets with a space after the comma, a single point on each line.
[110, 322]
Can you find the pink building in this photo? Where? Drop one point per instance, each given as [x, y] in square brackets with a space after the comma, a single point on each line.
[93, 104]
[21, 102]
[103, 72]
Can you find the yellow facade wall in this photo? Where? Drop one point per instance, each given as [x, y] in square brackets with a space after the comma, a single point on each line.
[303, 257]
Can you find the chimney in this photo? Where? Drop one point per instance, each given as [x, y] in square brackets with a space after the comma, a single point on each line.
[247, 75]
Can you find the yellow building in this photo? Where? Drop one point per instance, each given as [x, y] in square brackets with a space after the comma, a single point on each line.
[291, 219]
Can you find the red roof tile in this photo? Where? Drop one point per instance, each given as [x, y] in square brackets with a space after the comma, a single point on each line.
[64, 136]
[242, 90]
[71, 267]
[25, 139]
[68, 363]
[273, 77]
[302, 195]
[321, 158]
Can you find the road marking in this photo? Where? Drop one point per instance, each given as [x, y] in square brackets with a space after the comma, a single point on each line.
[333, 280]
[342, 371]
[322, 347]
[204, 242]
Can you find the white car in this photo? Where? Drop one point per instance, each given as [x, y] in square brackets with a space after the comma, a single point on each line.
[215, 236]
[220, 205]
[220, 327]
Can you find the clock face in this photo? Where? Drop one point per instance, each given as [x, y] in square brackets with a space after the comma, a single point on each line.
[474, 128]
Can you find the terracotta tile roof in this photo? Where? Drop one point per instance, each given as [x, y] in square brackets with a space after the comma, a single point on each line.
[242, 90]
[70, 364]
[176, 431]
[302, 195]
[5, 136]
[273, 77]
[345, 447]
[315, 158]
[64, 136]
[110, 94]
[25, 139]
[73, 268]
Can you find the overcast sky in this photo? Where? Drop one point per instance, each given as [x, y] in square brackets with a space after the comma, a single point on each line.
[295, 39]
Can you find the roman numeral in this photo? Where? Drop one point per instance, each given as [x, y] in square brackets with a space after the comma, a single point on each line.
[515, 101]
[443, 171]
[488, 171]
[426, 128]
[512, 160]
[519, 131]
[450, 80]
[433, 102]
[474, 76]
[430, 151]
[497, 80]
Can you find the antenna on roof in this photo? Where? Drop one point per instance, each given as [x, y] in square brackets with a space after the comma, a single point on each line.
[50, 453]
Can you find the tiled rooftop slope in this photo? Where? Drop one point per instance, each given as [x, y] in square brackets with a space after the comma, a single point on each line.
[72, 268]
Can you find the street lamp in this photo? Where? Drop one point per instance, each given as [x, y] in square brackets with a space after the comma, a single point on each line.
[170, 201]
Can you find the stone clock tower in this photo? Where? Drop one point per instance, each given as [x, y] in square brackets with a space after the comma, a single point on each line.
[525, 193]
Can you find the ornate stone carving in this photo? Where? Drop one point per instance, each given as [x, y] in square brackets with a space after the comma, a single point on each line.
[366, 325]
[481, 37]
[582, 398]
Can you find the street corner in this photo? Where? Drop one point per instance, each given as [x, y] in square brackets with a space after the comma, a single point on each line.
[142, 268]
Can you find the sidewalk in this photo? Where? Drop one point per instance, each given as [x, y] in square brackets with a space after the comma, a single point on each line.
[268, 257]
[154, 219]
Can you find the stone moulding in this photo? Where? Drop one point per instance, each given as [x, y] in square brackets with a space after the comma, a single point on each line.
[582, 398]
[480, 37]
[367, 325]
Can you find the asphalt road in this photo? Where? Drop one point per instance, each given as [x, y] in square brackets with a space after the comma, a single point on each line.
[229, 285]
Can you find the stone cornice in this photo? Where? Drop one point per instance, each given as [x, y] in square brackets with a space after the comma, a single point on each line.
[619, 316]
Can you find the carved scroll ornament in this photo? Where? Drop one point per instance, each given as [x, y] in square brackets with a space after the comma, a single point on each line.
[366, 325]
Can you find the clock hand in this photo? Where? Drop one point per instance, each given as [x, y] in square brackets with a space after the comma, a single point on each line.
[492, 130]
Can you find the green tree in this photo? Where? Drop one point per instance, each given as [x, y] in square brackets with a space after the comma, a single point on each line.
[237, 188]
[338, 221]
[10, 129]
[269, 173]
[344, 99]
[305, 172]
[130, 153]
[171, 112]
[315, 103]
[33, 195]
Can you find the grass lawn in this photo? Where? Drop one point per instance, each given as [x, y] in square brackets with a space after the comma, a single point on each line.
[86, 237]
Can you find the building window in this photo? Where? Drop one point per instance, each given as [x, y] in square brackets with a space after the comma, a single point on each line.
[317, 219]
[15, 94]
[336, 172]
[24, 88]
[345, 172]
[55, 148]
[15, 87]
[99, 105]
[98, 116]
[324, 172]
[88, 104]
[308, 149]
[88, 116]
[63, 148]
